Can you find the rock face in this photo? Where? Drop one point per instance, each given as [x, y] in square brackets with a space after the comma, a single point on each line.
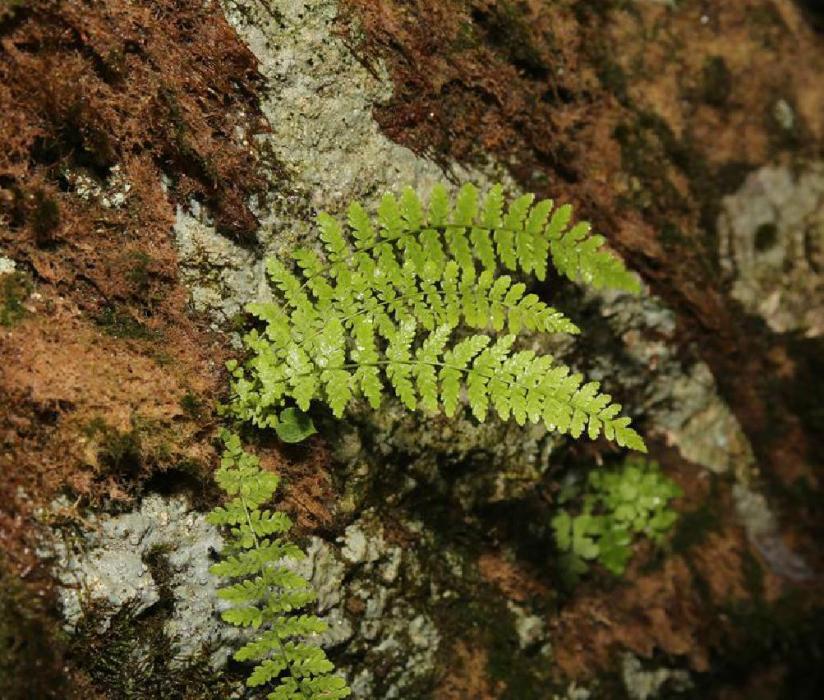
[161, 549]
[324, 142]
[399, 581]
[772, 246]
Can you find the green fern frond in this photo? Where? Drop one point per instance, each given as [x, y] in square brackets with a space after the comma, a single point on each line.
[262, 591]
[411, 305]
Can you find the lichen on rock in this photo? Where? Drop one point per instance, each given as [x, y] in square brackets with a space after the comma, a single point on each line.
[109, 564]
[772, 246]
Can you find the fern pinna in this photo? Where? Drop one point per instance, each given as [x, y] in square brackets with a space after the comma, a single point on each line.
[393, 305]
[263, 591]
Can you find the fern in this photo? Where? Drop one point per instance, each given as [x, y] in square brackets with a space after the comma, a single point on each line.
[425, 304]
[264, 593]
[614, 506]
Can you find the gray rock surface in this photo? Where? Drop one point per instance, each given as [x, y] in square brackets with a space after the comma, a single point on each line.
[318, 100]
[110, 561]
[772, 246]
[645, 684]
[764, 533]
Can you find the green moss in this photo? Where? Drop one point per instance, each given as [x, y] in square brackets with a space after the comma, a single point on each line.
[466, 38]
[477, 613]
[138, 274]
[484, 621]
[192, 405]
[9, 7]
[671, 235]
[119, 451]
[44, 217]
[127, 654]
[753, 575]
[766, 24]
[239, 322]
[162, 358]
[189, 159]
[612, 77]
[118, 323]
[652, 154]
[524, 675]
[694, 526]
[648, 150]
[784, 641]
[113, 66]
[587, 11]
[15, 288]
[508, 30]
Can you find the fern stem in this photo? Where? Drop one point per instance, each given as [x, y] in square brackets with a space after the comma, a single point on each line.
[281, 648]
[442, 229]
[383, 304]
[249, 520]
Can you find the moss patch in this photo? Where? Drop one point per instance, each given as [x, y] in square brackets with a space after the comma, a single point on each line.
[15, 288]
[133, 658]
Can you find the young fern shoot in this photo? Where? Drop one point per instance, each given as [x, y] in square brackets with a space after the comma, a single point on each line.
[423, 303]
[263, 592]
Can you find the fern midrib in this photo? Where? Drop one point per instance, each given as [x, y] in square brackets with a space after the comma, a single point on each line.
[466, 371]
[440, 293]
[281, 648]
[441, 228]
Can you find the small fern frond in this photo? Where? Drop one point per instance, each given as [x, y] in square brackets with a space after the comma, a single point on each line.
[382, 315]
[263, 591]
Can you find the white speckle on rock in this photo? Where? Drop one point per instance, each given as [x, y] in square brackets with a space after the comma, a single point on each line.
[108, 565]
[360, 546]
[784, 115]
[647, 684]
[7, 265]
[530, 628]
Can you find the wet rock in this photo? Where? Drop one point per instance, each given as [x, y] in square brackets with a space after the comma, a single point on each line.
[376, 594]
[221, 275]
[326, 146]
[393, 629]
[772, 246]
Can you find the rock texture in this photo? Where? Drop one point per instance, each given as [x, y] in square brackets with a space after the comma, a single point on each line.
[772, 246]
[135, 559]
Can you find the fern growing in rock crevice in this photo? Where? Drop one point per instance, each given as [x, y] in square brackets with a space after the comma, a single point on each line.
[422, 305]
[264, 593]
[600, 519]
